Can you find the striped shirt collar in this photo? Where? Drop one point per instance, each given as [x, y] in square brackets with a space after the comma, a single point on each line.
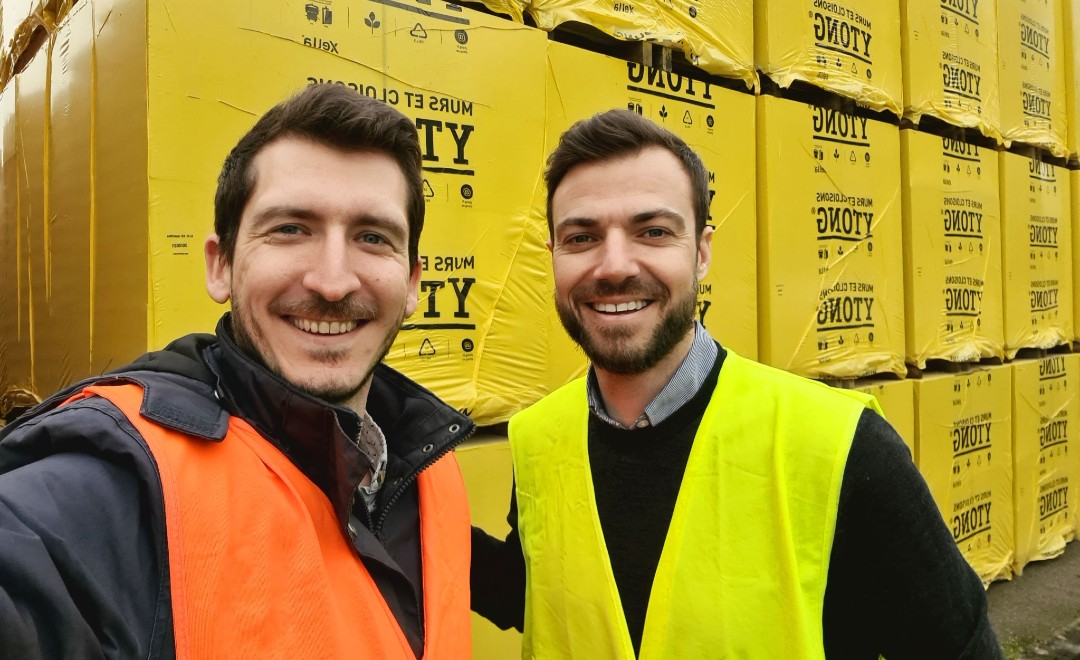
[681, 388]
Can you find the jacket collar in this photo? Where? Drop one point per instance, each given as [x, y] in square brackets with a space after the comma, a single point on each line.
[320, 439]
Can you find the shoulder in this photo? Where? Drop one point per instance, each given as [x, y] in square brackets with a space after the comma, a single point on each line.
[773, 384]
[568, 400]
[94, 427]
[84, 445]
[880, 456]
[88, 426]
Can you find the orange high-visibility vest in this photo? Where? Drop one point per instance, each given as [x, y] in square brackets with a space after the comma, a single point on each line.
[259, 567]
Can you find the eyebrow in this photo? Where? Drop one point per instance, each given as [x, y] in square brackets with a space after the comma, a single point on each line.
[662, 212]
[284, 211]
[585, 222]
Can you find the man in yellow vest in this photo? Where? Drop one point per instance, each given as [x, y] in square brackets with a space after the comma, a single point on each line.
[271, 490]
[681, 501]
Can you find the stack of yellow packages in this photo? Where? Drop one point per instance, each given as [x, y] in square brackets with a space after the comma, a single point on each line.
[1046, 420]
[1031, 69]
[715, 35]
[114, 194]
[847, 47]
[964, 448]
[950, 63]
[1037, 254]
[952, 250]
[831, 278]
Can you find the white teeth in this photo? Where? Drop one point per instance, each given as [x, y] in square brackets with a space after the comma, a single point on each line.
[631, 306]
[324, 327]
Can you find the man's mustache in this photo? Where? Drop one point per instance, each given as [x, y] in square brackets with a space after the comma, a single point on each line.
[633, 286]
[316, 307]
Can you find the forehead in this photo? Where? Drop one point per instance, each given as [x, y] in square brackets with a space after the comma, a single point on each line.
[300, 171]
[652, 177]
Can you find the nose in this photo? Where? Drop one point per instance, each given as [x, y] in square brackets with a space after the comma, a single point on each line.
[333, 271]
[617, 259]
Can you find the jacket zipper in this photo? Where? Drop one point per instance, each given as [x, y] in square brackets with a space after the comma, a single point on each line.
[406, 482]
[397, 495]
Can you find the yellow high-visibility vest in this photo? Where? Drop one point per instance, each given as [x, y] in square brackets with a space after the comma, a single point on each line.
[743, 569]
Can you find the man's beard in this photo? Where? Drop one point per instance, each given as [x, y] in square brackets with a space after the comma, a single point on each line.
[607, 348]
[248, 336]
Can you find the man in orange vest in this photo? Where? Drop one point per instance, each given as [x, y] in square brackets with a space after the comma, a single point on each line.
[271, 490]
[681, 501]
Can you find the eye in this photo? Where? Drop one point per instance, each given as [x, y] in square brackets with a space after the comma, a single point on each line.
[579, 239]
[655, 232]
[289, 230]
[372, 238]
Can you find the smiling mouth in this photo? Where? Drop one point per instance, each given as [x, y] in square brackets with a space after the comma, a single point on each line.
[323, 327]
[615, 308]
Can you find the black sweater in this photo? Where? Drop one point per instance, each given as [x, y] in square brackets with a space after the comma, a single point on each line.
[897, 584]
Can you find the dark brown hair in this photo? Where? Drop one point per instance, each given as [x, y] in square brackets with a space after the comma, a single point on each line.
[339, 118]
[617, 133]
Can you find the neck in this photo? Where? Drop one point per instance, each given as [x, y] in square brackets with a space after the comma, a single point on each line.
[358, 401]
[626, 395]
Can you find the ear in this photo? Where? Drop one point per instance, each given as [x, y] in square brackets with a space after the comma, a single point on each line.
[411, 299]
[550, 245]
[704, 252]
[218, 270]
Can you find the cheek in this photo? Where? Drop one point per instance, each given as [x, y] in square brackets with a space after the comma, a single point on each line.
[567, 272]
[255, 283]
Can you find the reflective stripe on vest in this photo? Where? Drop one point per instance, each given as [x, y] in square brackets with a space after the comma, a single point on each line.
[259, 567]
[743, 569]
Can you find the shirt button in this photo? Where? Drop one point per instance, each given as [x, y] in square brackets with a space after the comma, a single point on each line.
[642, 423]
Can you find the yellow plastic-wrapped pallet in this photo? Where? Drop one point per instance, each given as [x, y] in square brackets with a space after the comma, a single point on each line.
[1074, 203]
[480, 335]
[514, 9]
[952, 250]
[15, 364]
[831, 281]
[897, 399]
[1071, 21]
[24, 29]
[1031, 69]
[124, 319]
[80, 286]
[1037, 253]
[964, 445]
[719, 125]
[850, 48]
[949, 53]
[61, 297]
[1046, 424]
[31, 104]
[18, 18]
[715, 35]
